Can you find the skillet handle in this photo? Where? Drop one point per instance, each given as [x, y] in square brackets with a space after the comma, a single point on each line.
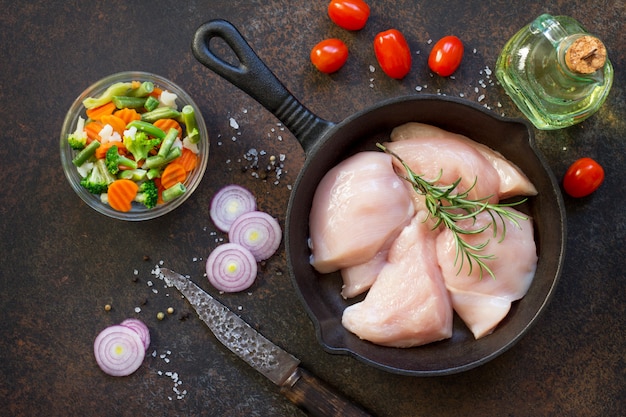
[253, 77]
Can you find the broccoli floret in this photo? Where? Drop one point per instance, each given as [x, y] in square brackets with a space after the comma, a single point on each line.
[98, 180]
[140, 145]
[78, 138]
[113, 160]
[148, 194]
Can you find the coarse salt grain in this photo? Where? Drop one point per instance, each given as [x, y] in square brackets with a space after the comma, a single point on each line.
[233, 123]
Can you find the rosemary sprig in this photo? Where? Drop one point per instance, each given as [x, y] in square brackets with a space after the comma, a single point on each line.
[448, 207]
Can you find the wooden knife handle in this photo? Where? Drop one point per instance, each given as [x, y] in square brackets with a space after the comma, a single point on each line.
[317, 398]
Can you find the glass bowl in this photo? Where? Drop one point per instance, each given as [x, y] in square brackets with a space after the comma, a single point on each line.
[138, 211]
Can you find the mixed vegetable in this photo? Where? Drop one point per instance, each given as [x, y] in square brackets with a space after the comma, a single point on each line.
[135, 147]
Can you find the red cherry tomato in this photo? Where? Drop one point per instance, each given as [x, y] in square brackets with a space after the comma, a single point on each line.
[393, 53]
[446, 56]
[329, 55]
[583, 177]
[349, 14]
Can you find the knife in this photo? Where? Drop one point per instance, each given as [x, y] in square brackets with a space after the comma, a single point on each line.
[298, 385]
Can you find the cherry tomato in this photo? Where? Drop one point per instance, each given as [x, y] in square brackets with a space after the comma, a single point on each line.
[349, 14]
[329, 55]
[583, 177]
[393, 53]
[446, 56]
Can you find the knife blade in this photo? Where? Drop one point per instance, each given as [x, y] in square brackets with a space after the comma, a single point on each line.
[279, 366]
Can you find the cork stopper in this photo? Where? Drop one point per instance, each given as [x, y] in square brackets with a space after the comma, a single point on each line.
[586, 55]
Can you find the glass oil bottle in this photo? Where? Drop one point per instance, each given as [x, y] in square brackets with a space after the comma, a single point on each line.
[555, 72]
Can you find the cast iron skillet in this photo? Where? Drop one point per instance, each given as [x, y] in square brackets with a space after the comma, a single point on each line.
[326, 144]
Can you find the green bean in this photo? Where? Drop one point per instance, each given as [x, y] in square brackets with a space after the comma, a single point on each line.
[143, 90]
[160, 113]
[129, 102]
[151, 103]
[173, 192]
[189, 118]
[167, 143]
[146, 127]
[82, 156]
[158, 161]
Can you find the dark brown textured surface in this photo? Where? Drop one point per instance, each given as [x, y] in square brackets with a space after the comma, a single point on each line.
[61, 262]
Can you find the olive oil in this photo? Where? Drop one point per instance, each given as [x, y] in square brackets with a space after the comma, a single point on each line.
[555, 72]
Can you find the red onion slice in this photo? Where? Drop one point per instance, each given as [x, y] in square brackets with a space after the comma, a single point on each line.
[119, 350]
[229, 203]
[141, 329]
[231, 268]
[258, 232]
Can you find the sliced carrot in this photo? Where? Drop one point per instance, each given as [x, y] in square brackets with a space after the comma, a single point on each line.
[173, 174]
[160, 188]
[121, 193]
[101, 151]
[93, 129]
[187, 159]
[116, 123]
[96, 113]
[127, 115]
[167, 124]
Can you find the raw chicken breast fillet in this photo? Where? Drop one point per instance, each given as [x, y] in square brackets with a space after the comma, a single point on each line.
[513, 181]
[447, 160]
[359, 206]
[408, 304]
[482, 303]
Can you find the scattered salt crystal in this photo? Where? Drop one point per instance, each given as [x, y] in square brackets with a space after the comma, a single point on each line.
[481, 97]
[461, 95]
[474, 50]
[372, 68]
[135, 272]
[429, 41]
[137, 310]
[149, 283]
[418, 88]
[233, 123]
